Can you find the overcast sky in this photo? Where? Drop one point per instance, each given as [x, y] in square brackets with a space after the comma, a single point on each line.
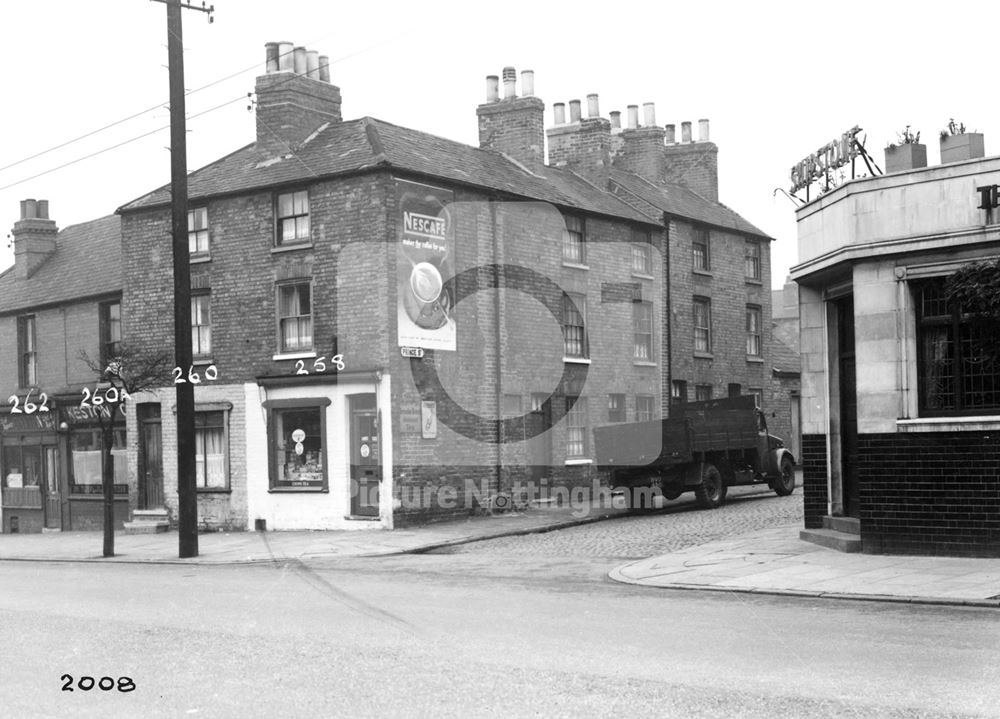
[776, 79]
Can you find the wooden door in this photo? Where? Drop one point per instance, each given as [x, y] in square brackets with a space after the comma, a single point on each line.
[150, 458]
[539, 421]
[366, 465]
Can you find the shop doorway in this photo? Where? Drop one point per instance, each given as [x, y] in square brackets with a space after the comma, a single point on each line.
[150, 457]
[366, 467]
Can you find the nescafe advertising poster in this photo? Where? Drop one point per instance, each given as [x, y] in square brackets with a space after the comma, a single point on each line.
[425, 261]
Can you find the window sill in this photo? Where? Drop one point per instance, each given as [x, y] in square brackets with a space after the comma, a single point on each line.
[755, 360]
[575, 360]
[704, 355]
[703, 273]
[949, 424]
[199, 259]
[292, 246]
[294, 356]
[214, 490]
[753, 281]
[643, 363]
[578, 462]
[298, 490]
[575, 265]
[202, 361]
[642, 276]
[361, 518]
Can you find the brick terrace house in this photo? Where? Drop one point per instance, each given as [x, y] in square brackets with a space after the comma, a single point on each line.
[344, 277]
[62, 296]
[900, 415]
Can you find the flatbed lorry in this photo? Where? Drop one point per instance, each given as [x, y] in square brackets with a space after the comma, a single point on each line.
[704, 447]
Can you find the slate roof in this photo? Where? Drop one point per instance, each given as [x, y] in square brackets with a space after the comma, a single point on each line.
[684, 202]
[87, 262]
[785, 359]
[367, 143]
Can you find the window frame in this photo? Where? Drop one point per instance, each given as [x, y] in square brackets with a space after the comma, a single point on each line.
[197, 352]
[224, 425]
[757, 312]
[639, 332]
[27, 350]
[679, 391]
[574, 236]
[106, 342]
[700, 236]
[705, 302]
[752, 260]
[576, 410]
[953, 322]
[195, 233]
[277, 407]
[642, 250]
[580, 301]
[617, 411]
[645, 414]
[280, 219]
[279, 287]
[702, 392]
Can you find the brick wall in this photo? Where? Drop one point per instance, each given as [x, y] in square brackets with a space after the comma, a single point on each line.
[930, 493]
[814, 479]
[642, 153]
[514, 126]
[695, 165]
[585, 147]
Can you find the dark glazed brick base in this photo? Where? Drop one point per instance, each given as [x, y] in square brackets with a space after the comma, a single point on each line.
[930, 493]
[814, 479]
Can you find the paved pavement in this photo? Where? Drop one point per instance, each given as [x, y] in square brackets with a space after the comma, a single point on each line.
[745, 556]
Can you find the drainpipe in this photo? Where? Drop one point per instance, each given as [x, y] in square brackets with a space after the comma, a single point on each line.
[497, 343]
[668, 311]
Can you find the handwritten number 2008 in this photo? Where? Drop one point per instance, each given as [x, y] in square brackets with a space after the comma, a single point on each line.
[319, 364]
[105, 684]
[29, 406]
[211, 373]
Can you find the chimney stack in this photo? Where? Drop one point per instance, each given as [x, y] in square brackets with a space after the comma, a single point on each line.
[584, 145]
[514, 125]
[693, 164]
[294, 97]
[34, 237]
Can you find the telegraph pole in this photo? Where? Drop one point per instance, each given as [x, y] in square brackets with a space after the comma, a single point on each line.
[187, 497]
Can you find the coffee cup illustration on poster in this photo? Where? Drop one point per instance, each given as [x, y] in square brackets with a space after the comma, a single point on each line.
[425, 262]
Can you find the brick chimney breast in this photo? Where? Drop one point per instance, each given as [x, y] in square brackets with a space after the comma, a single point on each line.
[34, 237]
[294, 97]
[513, 125]
[584, 143]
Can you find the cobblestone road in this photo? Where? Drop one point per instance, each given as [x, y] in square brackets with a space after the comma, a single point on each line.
[681, 524]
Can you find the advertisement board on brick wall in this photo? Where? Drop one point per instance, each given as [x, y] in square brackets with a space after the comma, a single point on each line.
[425, 262]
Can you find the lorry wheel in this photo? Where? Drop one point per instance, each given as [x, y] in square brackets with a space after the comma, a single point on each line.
[711, 493]
[785, 484]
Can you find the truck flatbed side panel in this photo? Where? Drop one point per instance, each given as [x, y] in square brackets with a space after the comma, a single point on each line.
[637, 444]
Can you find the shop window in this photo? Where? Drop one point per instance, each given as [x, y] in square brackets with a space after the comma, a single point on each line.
[201, 325]
[576, 427]
[211, 451]
[27, 359]
[616, 408]
[642, 331]
[573, 249]
[702, 324]
[198, 231]
[644, 408]
[87, 459]
[751, 260]
[574, 330]
[111, 331]
[753, 331]
[955, 373]
[293, 217]
[295, 317]
[702, 258]
[297, 442]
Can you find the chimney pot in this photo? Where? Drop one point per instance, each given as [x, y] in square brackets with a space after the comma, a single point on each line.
[648, 114]
[324, 68]
[299, 62]
[29, 209]
[633, 117]
[492, 88]
[285, 59]
[574, 111]
[686, 131]
[509, 81]
[271, 56]
[312, 64]
[616, 120]
[43, 210]
[670, 135]
[593, 109]
[703, 130]
[527, 83]
[559, 112]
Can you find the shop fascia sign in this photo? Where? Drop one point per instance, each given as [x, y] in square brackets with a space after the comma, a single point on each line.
[832, 155]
